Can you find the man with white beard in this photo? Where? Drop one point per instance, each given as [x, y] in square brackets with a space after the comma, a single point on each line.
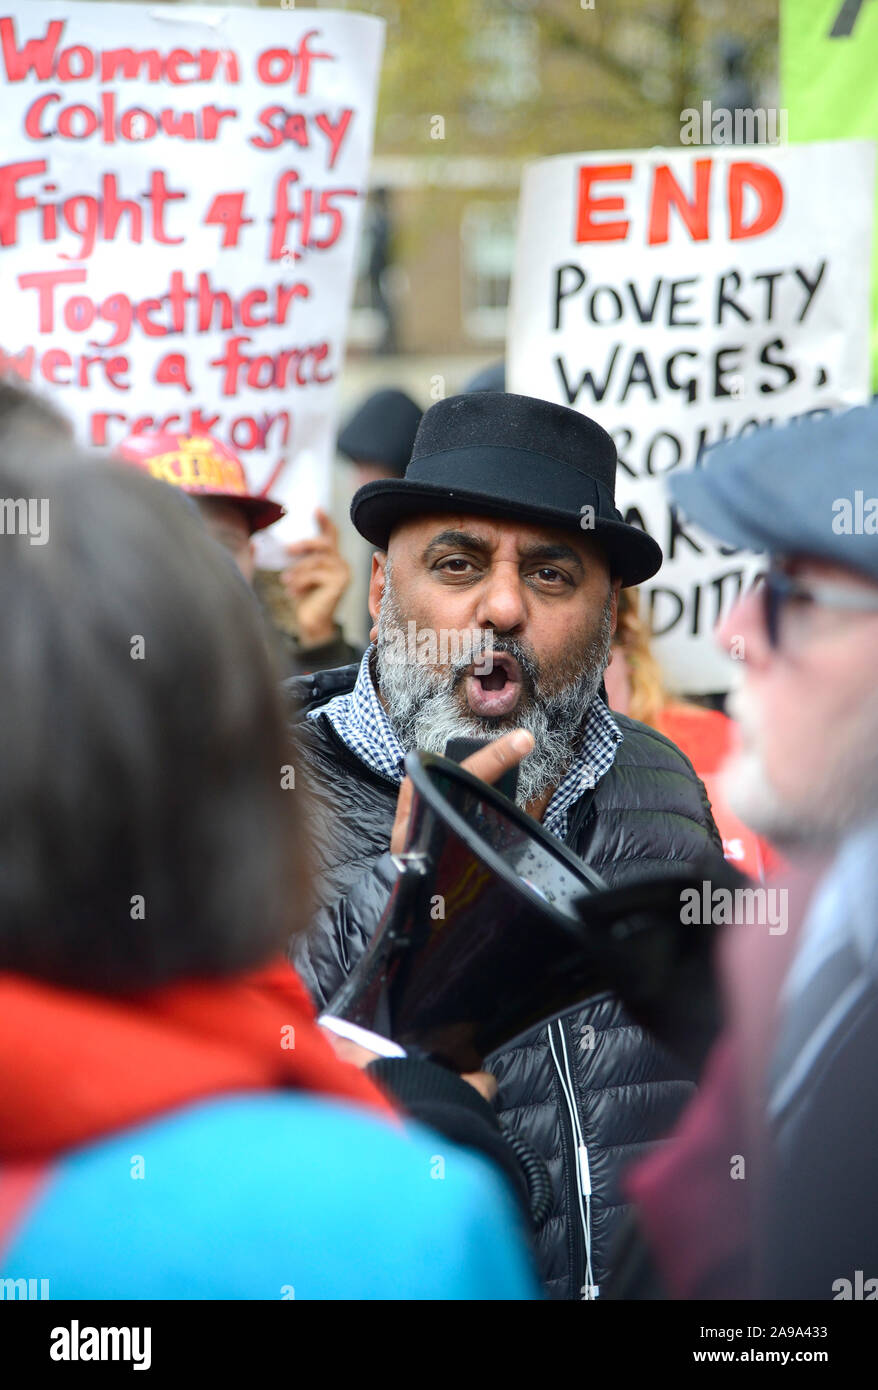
[428, 705]
[793, 1083]
[504, 534]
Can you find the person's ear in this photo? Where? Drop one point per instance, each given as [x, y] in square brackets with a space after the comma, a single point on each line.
[376, 589]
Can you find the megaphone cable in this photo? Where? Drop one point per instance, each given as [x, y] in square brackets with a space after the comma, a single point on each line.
[583, 1176]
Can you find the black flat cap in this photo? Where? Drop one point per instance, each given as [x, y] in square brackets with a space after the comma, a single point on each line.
[499, 454]
[382, 430]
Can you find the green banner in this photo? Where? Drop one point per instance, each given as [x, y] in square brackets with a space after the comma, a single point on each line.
[828, 68]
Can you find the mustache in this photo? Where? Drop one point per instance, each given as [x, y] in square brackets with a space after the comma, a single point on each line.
[492, 644]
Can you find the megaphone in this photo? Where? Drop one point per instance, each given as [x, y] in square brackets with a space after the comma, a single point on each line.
[493, 926]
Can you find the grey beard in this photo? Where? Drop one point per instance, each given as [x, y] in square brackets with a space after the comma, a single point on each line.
[423, 707]
[842, 792]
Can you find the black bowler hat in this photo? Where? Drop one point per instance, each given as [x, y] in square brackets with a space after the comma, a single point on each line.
[495, 454]
[382, 430]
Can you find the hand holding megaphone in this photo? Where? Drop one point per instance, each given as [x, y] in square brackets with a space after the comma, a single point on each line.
[494, 926]
[488, 764]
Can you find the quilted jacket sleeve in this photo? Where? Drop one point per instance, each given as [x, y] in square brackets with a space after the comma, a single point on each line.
[341, 931]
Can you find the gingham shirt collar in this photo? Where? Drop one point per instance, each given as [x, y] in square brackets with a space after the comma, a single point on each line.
[361, 722]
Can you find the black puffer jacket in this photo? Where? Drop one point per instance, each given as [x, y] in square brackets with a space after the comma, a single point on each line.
[648, 814]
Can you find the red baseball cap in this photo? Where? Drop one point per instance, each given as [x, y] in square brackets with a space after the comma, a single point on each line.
[201, 466]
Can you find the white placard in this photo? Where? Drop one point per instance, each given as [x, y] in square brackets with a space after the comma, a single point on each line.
[181, 192]
[683, 297]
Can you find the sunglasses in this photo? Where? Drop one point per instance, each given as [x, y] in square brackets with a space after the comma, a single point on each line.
[779, 589]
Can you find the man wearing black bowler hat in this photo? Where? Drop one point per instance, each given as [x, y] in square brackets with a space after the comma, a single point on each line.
[504, 530]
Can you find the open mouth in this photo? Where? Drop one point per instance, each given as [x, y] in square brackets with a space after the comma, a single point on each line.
[499, 690]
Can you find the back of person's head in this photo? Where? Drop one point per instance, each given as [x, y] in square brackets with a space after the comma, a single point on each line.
[28, 421]
[146, 835]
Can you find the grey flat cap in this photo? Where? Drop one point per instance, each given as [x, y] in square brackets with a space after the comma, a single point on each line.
[806, 488]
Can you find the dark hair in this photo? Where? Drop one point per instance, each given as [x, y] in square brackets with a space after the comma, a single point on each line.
[145, 832]
[30, 419]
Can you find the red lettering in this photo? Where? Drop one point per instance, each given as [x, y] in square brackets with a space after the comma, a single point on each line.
[210, 61]
[253, 433]
[114, 370]
[180, 123]
[34, 114]
[586, 205]
[108, 115]
[232, 361]
[41, 57]
[44, 282]
[289, 366]
[266, 69]
[296, 129]
[266, 117]
[286, 295]
[89, 122]
[667, 192]
[85, 226]
[98, 425]
[115, 208]
[38, 55]
[203, 424]
[227, 210]
[20, 362]
[53, 359]
[137, 124]
[212, 118]
[117, 310]
[769, 190]
[335, 215]
[86, 63]
[130, 61]
[175, 60]
[79, 313]
[321, 352]
[248, 318]
[10, 203]
[177, 296]
[334, 133]
[150, 328]
[158, 195]
[284, 215]
[283, 418]
[305, 57]
[117, 367]
[207, 300]
[171, 371]
[276, 65]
